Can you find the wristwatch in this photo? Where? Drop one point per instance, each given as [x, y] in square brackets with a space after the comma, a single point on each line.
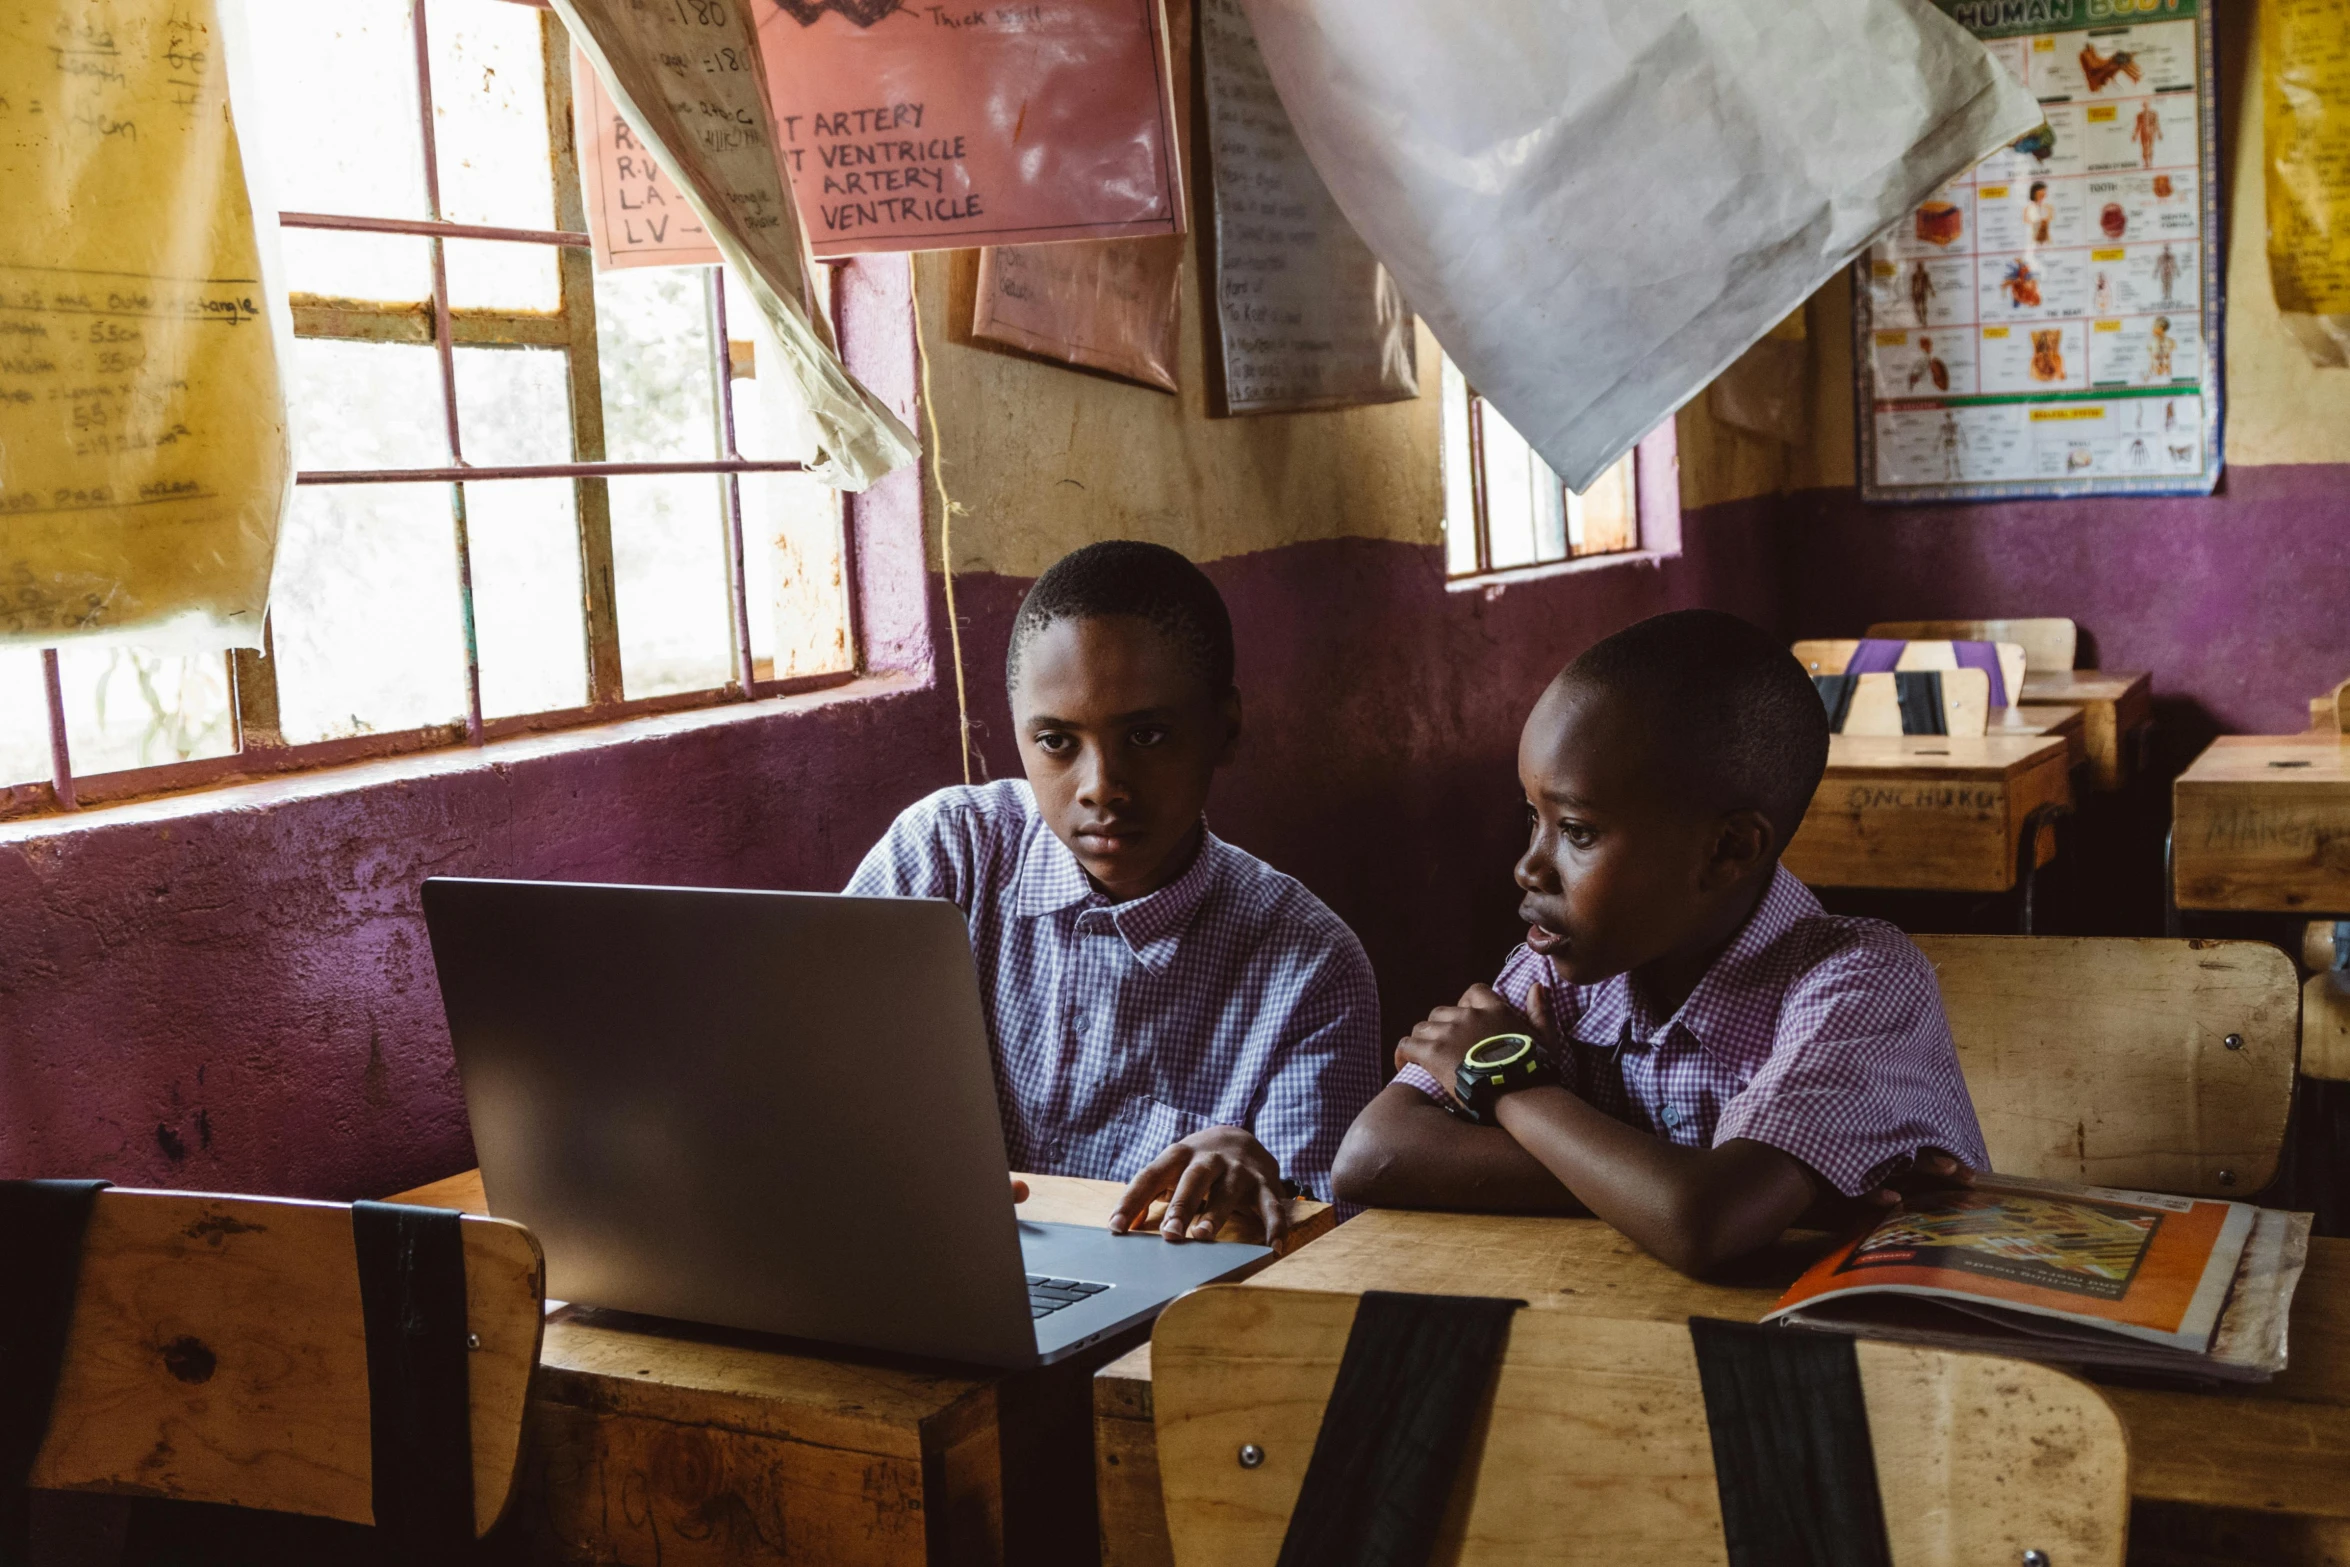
[1497, 1065]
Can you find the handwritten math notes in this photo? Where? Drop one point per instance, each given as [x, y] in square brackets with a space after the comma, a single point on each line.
[144, 457]
[1306, 316]
[936, 127]
[635, 215]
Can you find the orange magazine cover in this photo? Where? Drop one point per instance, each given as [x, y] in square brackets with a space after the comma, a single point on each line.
[2139, 1264]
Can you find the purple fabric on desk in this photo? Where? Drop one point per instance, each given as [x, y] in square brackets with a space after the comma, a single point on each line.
[1878, 656]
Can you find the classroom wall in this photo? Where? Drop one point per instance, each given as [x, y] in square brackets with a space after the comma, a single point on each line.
[2234, 601]
[233, 990]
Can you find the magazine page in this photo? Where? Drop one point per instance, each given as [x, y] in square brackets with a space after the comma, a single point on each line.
[2139, 1264]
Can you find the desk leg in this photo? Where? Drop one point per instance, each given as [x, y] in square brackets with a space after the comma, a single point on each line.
[2028, 868]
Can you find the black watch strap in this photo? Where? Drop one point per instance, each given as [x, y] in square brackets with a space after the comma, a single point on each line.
[1496, 1065]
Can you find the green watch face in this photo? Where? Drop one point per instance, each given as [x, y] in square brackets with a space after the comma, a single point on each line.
[1502, 1050]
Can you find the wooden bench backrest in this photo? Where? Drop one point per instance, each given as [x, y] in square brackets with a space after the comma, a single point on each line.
[1829, 655]
[218, 1354]
[1876, 704]
[2050, 642]
[2105, 1058]
[1596, 1450]
[2325, 712]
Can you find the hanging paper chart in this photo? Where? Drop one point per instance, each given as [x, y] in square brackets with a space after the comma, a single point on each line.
[2048, 323]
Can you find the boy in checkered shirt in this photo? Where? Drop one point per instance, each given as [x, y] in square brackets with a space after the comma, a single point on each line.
[1165, 1009]
[1725, 1058]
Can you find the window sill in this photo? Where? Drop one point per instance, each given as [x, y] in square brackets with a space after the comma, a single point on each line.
[1494, 583]
[264, 793]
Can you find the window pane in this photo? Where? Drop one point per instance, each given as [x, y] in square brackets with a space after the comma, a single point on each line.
[366, 405]
[1460, 500]
[24, 717]
[498, 275]
[1510, 512]
[1606, 518]
[528, 619]
[364, 615]
[338, 106]
[669, 575]
[343, 265]
[513, 405]
[128, 707]
[653, 336]
[793, 576]
[489, 107]
[770, 421]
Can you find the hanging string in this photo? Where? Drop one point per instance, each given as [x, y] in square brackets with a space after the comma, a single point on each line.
[948, 508]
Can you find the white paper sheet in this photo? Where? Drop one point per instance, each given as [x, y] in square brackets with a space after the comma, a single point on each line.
[1598, 206]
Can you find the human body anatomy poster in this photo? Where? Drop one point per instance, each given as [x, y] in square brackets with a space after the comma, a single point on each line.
[2048, 324]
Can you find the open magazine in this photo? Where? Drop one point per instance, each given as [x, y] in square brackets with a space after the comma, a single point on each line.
[2082, 1275]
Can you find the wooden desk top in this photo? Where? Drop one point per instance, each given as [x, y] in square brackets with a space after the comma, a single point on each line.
[1943, 756]
[1054, 1199]
[2282, 1445]
[2085, 685]
[2282, 760]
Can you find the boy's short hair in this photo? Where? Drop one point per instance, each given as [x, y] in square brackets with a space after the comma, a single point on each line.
[1729, 711]
[1127, 577]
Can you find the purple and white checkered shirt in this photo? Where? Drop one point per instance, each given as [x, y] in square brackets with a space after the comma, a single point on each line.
[1229, 997]
[1823, 1037]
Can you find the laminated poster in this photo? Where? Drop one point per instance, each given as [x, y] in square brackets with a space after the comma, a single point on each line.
[635, 215]
[937, 127]
[1305, 316]
[144, 458]
[2305, 90]
[2048, 323]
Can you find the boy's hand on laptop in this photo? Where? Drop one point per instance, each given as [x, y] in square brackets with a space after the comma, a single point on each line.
[1437, 1045]
[1207, 1178]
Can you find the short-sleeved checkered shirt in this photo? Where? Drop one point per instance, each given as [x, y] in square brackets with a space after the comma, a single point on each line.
[1823, 1037]
[1229, 997]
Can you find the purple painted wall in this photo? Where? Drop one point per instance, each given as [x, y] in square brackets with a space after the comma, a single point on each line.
[2239, 604]
[242, 998]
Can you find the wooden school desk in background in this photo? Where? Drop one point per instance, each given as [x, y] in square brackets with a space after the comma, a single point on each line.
[1934, 813]
[2267, 1465]
[2262, 823]
[2116, 706]
[661, 1442]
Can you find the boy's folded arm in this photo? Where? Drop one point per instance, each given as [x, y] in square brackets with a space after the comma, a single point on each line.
[1406, 1151]
[1694, 1208]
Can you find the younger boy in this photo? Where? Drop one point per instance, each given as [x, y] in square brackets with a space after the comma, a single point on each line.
[1165, 1009]
[1725, 1056]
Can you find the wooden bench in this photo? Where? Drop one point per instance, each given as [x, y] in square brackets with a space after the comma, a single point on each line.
[656, 1442]
[2117, 707]
[218, 1354]
[2262, 822]
[1596, 1445]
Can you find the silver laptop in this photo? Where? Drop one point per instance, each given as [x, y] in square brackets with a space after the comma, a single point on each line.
[769, 1110]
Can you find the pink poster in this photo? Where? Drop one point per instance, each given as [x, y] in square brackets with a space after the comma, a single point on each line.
[935, 127]
[635, 216]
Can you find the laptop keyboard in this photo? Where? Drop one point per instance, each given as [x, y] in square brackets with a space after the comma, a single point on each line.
[1046, 1296]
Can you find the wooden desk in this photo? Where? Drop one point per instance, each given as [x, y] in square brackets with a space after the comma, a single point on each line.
[1937, 813]
[658, 1442]
[2280, 1451]
[2263, 822]
[2113, 704]
[2055, 722]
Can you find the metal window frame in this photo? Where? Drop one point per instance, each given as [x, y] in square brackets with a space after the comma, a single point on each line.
[1479, 488]
[260, 746]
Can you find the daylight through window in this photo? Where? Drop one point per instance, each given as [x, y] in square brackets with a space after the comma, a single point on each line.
[529, 494]
[1504, 507]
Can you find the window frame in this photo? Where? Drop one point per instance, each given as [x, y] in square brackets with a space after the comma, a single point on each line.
[1656, 508]
[260, 748]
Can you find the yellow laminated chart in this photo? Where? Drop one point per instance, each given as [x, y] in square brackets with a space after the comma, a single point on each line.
[2305, 70]
[143, 447]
